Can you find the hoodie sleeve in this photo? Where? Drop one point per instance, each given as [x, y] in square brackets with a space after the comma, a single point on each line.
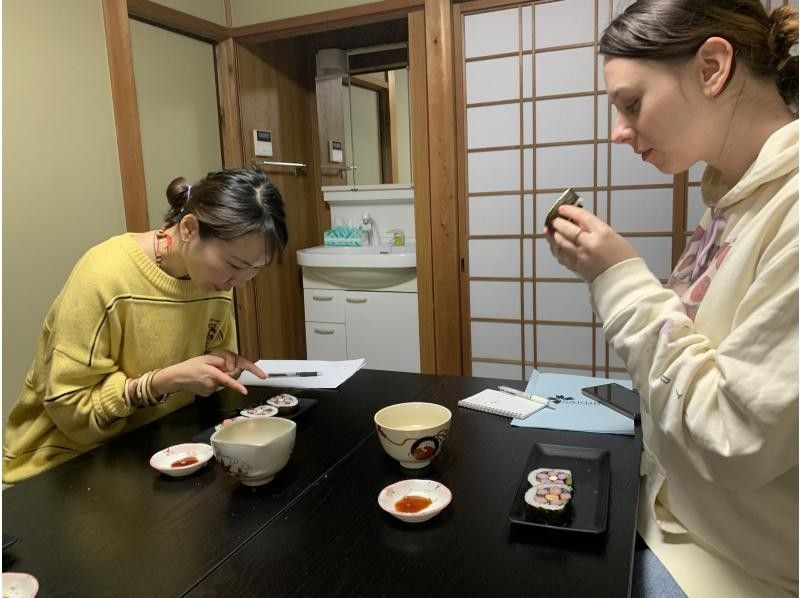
[732, 408]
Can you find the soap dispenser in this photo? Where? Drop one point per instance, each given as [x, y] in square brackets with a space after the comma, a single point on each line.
[398, 238]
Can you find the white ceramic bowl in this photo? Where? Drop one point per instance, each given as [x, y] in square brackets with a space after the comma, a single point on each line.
[19, 585]
[254, 449]
[168, 460]
[436, 492]
[413, 433]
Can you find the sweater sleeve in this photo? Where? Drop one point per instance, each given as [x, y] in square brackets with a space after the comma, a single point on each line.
[732, 408]
[84, 384]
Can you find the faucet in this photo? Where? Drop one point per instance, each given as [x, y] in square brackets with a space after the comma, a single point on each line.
[369, 226]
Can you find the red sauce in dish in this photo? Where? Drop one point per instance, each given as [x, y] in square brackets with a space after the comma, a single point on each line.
[412, 504]
[184, 462]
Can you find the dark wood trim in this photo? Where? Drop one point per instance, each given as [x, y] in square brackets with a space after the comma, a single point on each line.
[228, 104]
[680, 198]
[328, 20]
[175, 20]
[461, 190]
[370, 83]
[418, 113]
[126, 115]
[443, 186]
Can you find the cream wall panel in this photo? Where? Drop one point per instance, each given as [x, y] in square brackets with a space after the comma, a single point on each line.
[565, 71]
[250, 12]
[695, 208]
[601, 166]
[492, 80]
[561, 344]
[493, 171]
[527, 122]
[365, 111]
[565, 301]
[564, 23]
[496, 340]
[494, 299]
[494, 215]
[627, 168]
[210, 10]
[403, 121]
[567, 119]
[656, 252]
[494, 257]
[61, 182]
[504, 371]
[527, 76]
[493, 126]
[565, 166]
[527, 168]
[177, 110]
[490, 33]
[527, 307]
[641, 210]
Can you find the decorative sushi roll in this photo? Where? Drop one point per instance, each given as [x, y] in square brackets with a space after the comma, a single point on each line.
[549, 503]
[550, 475]
[283, 403]
[260, 411]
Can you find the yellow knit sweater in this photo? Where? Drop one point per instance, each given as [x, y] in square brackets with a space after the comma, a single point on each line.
[117, 317]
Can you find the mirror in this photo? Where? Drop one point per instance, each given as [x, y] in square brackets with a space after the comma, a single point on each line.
[363, 112]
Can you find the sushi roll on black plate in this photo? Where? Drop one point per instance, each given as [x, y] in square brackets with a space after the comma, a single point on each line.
[283, 403]
[549, 503]
[550, 475]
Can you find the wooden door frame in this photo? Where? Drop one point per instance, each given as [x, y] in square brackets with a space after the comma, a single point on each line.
[433, 135]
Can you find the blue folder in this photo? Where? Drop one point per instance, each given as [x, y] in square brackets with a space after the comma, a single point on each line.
[573, 411]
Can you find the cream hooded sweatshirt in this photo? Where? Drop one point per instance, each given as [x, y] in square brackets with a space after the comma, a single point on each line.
[714, 355]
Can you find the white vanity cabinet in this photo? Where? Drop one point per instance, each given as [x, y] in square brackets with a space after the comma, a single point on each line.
[380, 326]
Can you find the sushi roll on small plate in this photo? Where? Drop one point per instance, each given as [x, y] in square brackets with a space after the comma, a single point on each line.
[260, 411]
[284, 403]
[550, 475]
[549, 503]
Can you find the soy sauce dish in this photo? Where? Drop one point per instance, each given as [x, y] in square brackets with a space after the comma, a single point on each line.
[414, 501]
[182, 459]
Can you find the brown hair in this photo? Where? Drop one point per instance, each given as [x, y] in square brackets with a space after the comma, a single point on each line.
[229, 204]
[675, 29]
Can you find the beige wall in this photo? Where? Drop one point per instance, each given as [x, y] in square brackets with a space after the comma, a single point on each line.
[177, 97]
[210, 10]
[249, 12]
[61, 180]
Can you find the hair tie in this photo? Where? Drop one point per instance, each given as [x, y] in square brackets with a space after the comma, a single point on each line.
[188, 195]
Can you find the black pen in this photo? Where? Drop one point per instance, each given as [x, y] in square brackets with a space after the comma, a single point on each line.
[292, 374]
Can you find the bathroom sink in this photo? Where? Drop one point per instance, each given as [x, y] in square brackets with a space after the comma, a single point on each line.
[361, 267]
[324, 256]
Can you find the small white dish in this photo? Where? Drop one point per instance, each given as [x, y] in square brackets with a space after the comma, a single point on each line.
[19, 585]
[182, 459]
[436, 492]
[260, 411]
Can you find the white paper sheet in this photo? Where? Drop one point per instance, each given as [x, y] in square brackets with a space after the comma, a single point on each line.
[331, 373]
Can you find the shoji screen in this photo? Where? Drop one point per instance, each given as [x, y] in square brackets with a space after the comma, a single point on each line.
[535, 120]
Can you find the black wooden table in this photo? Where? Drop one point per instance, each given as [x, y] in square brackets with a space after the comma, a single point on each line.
[107, 524]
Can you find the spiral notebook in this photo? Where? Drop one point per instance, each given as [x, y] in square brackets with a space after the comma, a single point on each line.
[501, 403]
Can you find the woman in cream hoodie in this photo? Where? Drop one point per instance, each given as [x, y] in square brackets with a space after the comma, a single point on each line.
[714, 352]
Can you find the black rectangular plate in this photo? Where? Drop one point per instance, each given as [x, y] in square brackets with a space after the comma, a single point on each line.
[590, 481]
[303, 405]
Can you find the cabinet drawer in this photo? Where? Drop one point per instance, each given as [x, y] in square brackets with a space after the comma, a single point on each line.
[326, 341]
[323, 305]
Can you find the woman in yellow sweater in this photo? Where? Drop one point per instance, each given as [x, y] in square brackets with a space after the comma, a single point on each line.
[714, 353]
[145, 322]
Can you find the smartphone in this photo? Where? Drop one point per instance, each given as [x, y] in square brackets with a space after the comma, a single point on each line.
[617, 397]
[568, 198]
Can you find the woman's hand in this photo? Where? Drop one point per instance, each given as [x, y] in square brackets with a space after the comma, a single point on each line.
[235, 364]
[587, 245]
[204, 374]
